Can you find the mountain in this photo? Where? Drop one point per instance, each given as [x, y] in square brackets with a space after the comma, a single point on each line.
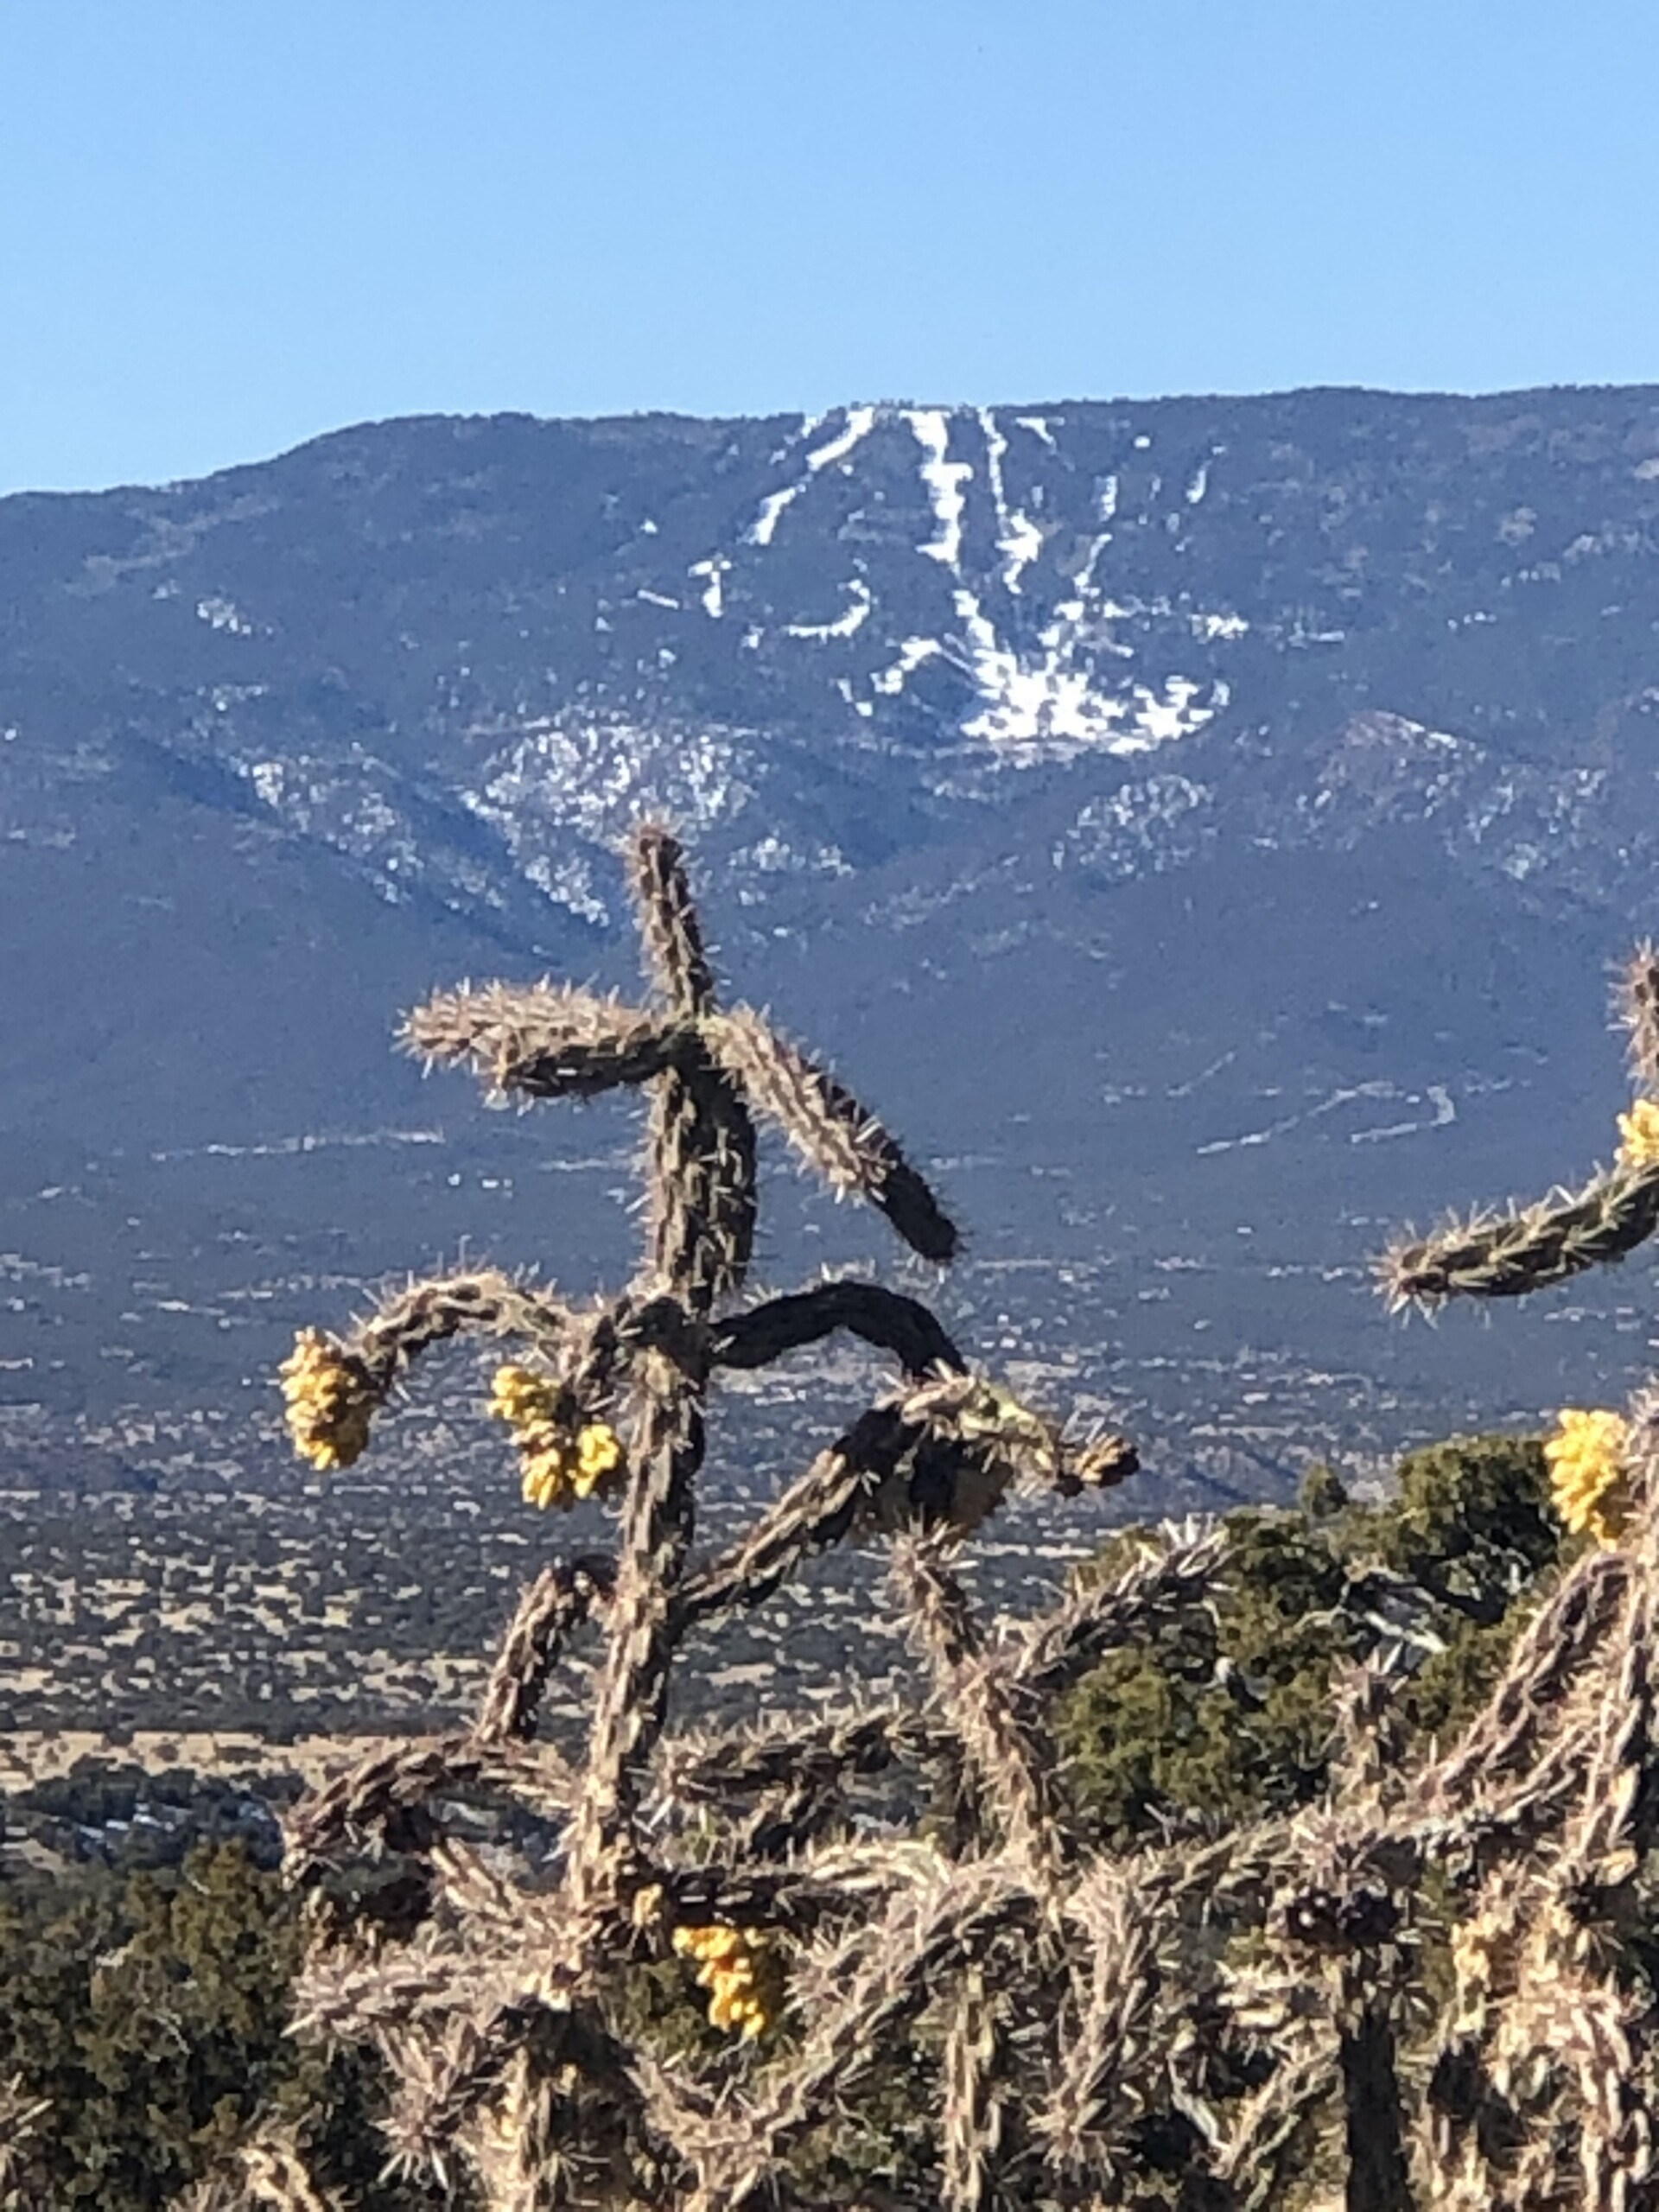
[1200, 826]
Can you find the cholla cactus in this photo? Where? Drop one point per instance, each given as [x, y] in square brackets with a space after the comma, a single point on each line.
[1197, 2022]
[1542, 2046]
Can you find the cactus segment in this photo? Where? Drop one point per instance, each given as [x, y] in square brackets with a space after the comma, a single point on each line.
[1167, 1583]
[883, 1318]
[487, 1303]
[702, 1194]
[561, 1598]
[1508, 1255]
[631, 1701]
[991, 1712]
[669, 925]
[544, 1041]
[1636, 1003]
[832, 1133]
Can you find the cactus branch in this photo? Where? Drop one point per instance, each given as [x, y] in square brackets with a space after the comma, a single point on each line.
[541, 1040]
[832, 1133]
[669, 925]
[1636, 1003]
[556, 1604]
[1166, 1582]
[901, 1325]
[1509, 1255]
[701, 1184]
[1006, 1764]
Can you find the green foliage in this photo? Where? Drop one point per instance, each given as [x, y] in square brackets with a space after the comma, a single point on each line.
[150, 2010]
[1473, 1523]
[1226, 1718]
[1233, 1717]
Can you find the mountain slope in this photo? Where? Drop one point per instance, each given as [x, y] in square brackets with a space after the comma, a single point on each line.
[1201, 825]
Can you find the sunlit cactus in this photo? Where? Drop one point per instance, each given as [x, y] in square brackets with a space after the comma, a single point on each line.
[605, 1402]
[1508, 1255]
[746, 1933]
[1534, 1247]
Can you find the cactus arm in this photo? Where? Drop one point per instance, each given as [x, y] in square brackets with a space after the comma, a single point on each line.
[828, 1128]
[1005, 1768]
[541, 1040]
[837, 1889]
[1058, 1648]
[334, 1386]
[554, 1605]
[483, 1303]
[631, 1702]
[901, 1325]
[942, 1453]
[701, 1191]
[729, 1766]
[817, 1511]
[1552, 1649]
[1269, 2147]
[1108, 2051]
[669, 926]
[971, 2115]
[385, 1794]
[1637, 1003]
[1508, 1255]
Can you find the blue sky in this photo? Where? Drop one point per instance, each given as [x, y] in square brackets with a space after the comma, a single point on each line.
[226, 225]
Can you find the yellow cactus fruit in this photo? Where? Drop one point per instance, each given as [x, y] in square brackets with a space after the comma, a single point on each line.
[560, 1465]
[1588, 1478]
[599, 1454]
[521, 1397]
[742, 1973]
[1638, 1134]
[330, 1401]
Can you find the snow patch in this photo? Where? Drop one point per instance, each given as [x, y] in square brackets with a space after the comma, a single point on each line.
[224, 615]
[1018, 538]
[712, 570]
[931, 428]
[1209, 627]
[1038, 425]
[860, 420]
[546, 780]
[759, 531]
[912, 652]
[844, 625]
[1052, 703]
[860, 423]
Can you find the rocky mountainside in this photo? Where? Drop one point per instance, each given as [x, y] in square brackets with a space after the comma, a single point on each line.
[1201, 826]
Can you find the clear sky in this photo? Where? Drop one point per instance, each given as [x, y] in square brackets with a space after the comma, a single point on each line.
[228, 225]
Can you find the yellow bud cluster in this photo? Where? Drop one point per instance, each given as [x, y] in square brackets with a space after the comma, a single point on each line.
[561, 1465]
[329, 1401]
[1587, 1475]
[740, 1972]
[1638, 1134]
